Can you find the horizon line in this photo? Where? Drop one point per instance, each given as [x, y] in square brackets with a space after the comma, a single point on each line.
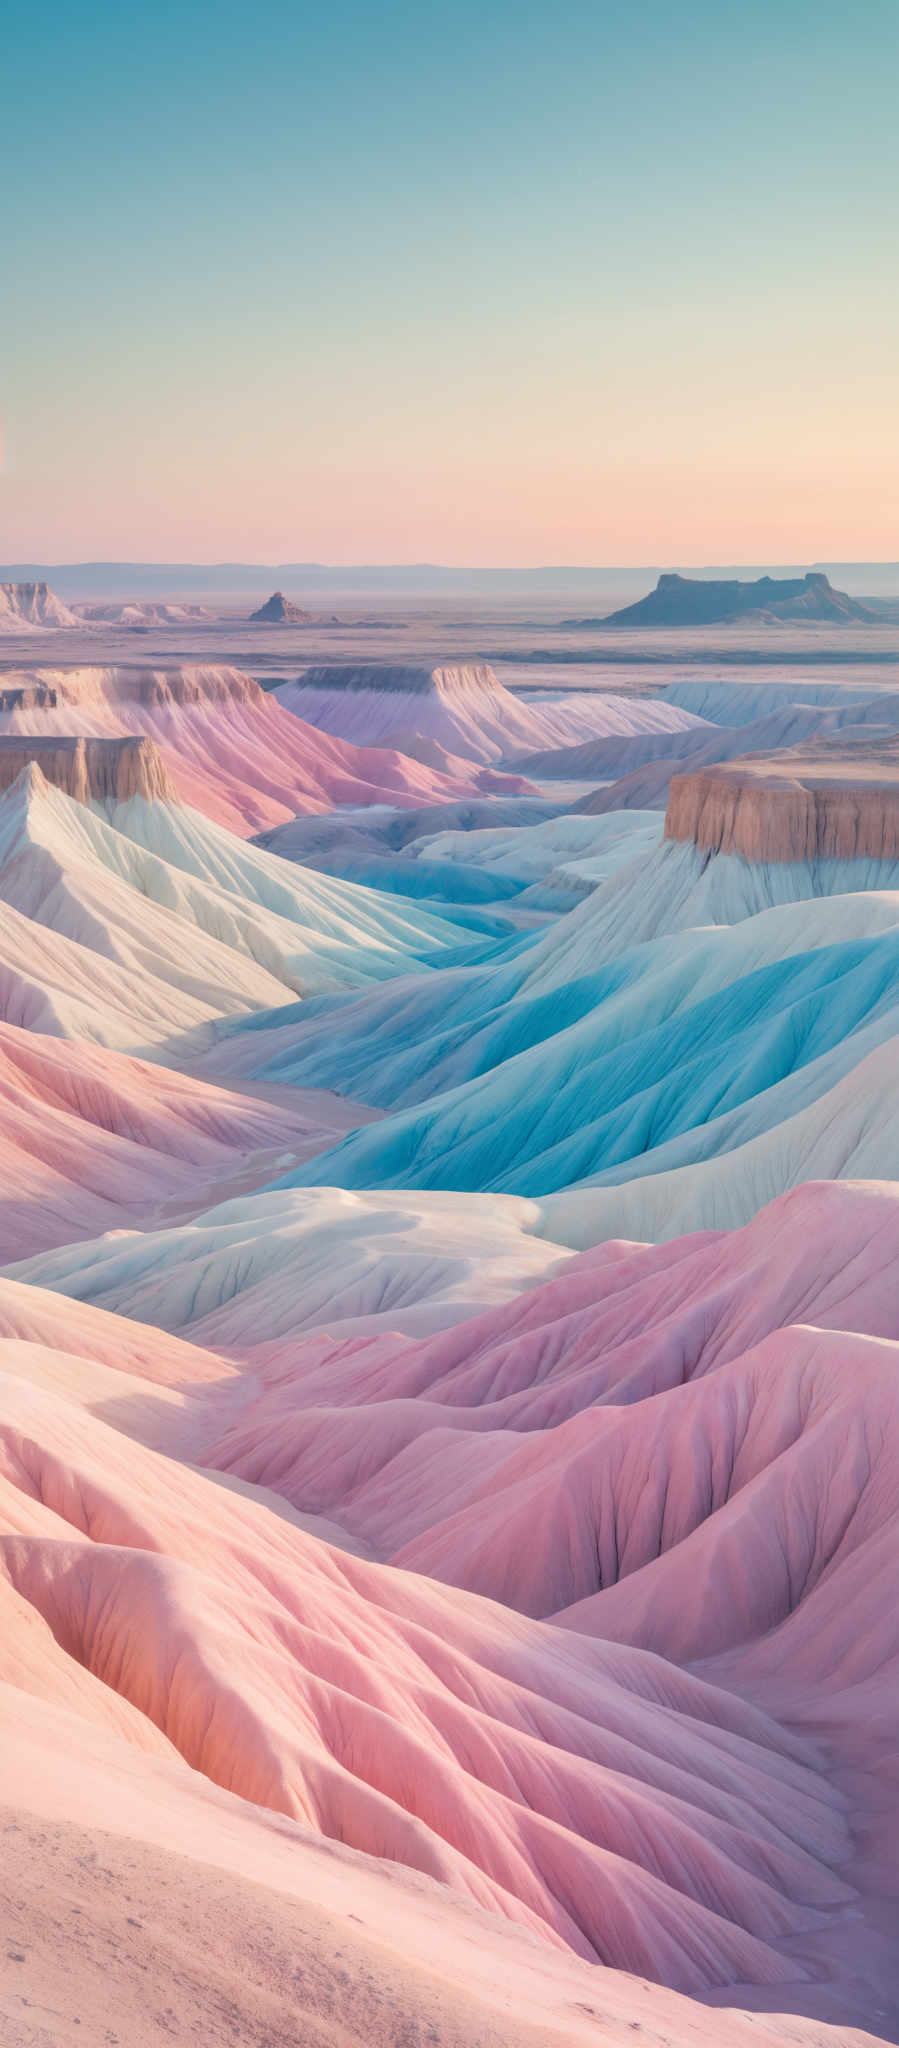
[444, 568]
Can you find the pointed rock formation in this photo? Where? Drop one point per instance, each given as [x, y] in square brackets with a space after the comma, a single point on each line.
[280, 611]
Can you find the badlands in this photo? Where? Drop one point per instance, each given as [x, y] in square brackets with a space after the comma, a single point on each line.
[449, 1325]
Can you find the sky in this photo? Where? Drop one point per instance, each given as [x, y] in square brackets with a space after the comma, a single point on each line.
[485, 282]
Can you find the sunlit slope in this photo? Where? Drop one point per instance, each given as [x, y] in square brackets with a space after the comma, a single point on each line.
[682, 1454]
[162, 891]
[91, 1141]
[231, 749]
[398, 1718]
[669, 1039]
[265, 1267]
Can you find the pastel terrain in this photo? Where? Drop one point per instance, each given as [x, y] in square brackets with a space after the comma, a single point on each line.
[449, 1351]
[462, 707]
[231, 749]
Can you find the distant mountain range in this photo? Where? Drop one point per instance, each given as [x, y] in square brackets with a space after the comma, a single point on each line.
[769, 600]
[137, 579]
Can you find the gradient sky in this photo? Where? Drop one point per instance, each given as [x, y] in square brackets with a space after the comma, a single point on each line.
[479, 282]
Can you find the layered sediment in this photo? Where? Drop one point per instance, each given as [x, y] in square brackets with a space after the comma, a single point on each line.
[835, 800]
[463, 707]
[90, 770]
[231, 749]
[200, 684]
[415, 679]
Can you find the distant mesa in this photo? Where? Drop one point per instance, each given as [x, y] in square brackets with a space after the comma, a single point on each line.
[833, 799]
[26, 606]
[139, 617]
[683, 601]
[280, 611]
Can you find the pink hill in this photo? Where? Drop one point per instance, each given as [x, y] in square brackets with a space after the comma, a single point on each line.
[688, 1774]
[91, 1140]
[231, 750]
[480, 1455]
[260, 1931]
[390, 1715]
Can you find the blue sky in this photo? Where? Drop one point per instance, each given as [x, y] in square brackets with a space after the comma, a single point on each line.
[478, 283]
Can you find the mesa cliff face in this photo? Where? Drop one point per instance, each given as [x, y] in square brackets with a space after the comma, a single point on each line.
[24, 605]
[279, 610]
[456, 679]
[462, 706]
[203, 684]
[836, 800]
[90, 770]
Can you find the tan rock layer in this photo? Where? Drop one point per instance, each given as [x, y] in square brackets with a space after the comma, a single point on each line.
[415, 679]
[768, 813]
[197, 684]
[90, 770]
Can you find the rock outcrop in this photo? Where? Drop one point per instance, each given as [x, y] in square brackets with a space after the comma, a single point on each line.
[27, 605]
[416, 679]
[829, 799]
[280, 611]
[29, 697]
[199, 684]
[688, 601]
[90, 770]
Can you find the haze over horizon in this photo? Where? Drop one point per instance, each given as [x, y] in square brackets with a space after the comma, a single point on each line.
[371, 291]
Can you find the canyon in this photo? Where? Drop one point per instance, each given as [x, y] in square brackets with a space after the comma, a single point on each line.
[448, 1345]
